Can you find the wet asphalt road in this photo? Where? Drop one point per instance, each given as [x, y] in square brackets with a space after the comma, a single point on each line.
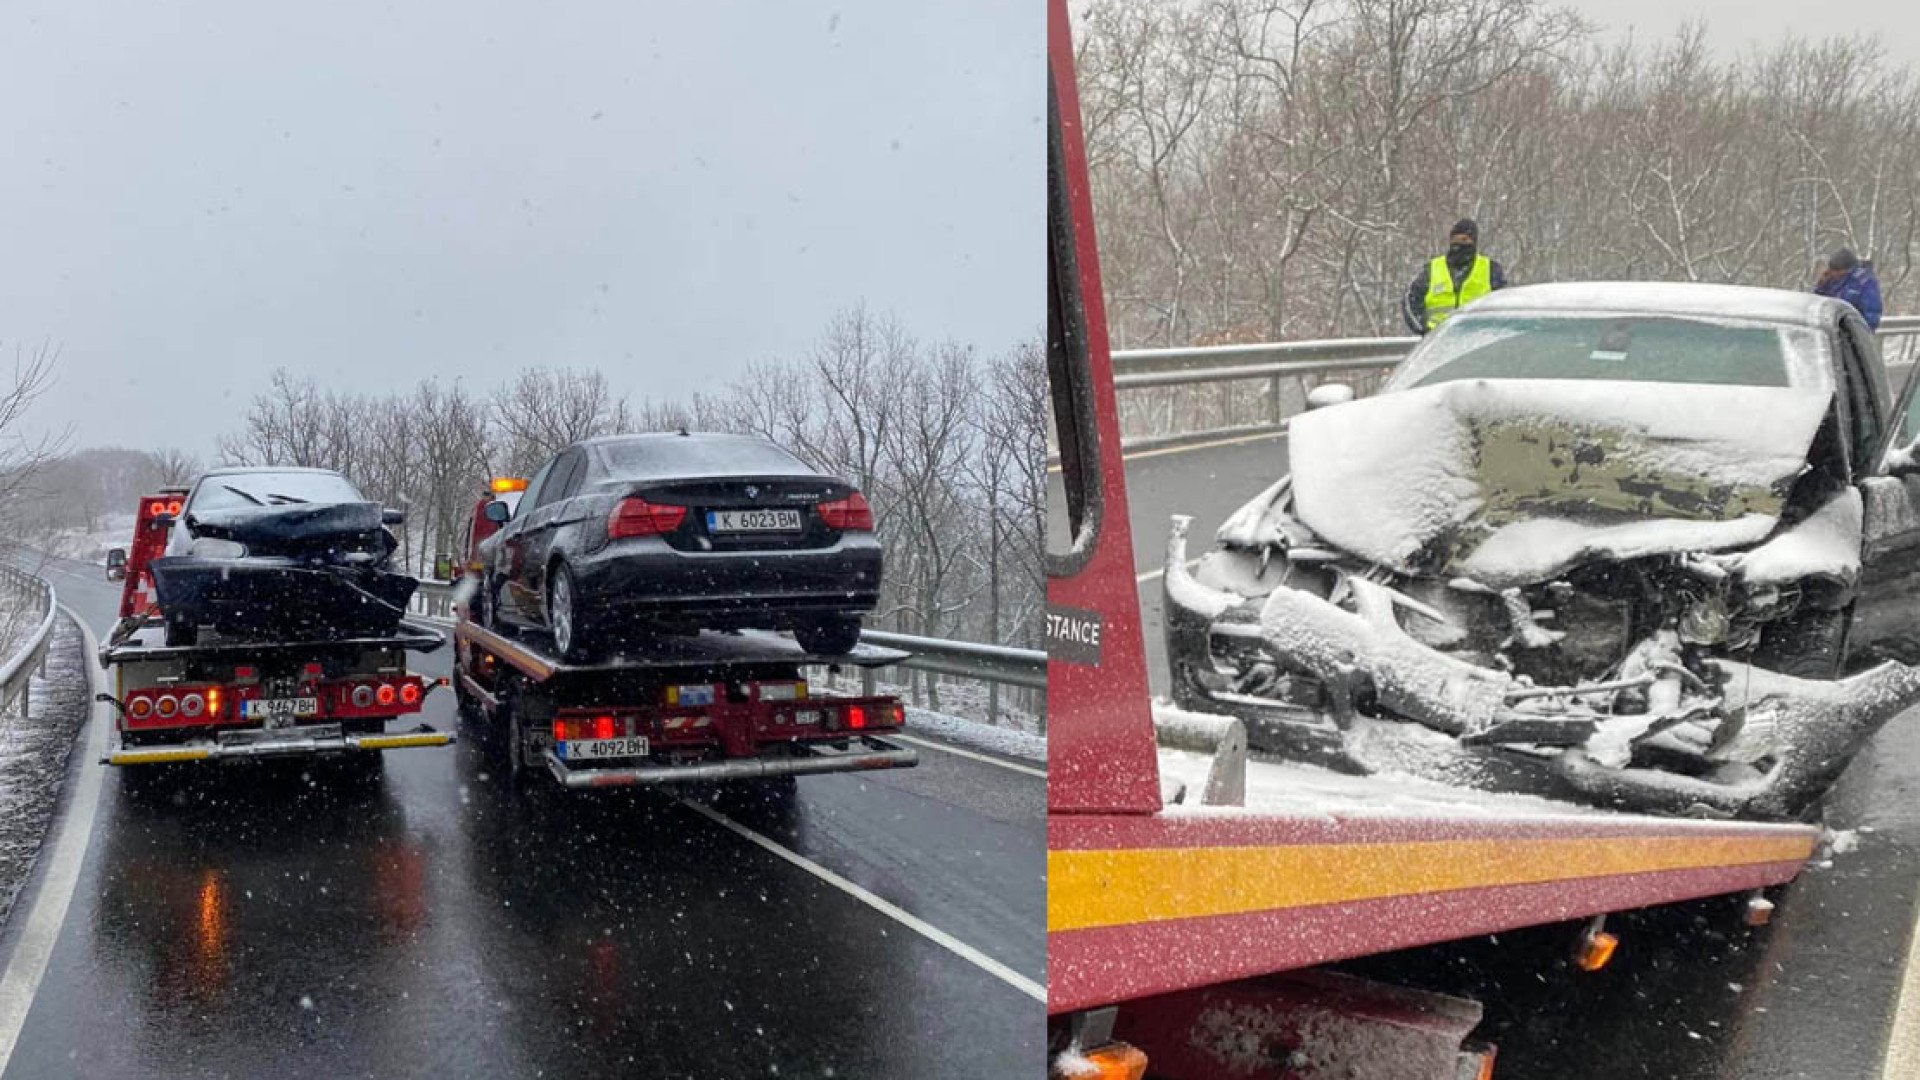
[1691, 995]
[268, 922]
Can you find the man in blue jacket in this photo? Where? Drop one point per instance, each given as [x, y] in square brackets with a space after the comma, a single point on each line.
[1846, 278]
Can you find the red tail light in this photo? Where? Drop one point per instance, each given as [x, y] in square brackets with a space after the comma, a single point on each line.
[603, 727]
[168, 705]
[386, 693]
[851, 512]
[409, 693]
[638, 517]
[856, 717]
[140, 707]
[156, 509]
[174, 508]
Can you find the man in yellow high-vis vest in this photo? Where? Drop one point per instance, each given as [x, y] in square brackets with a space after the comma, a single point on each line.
[1452, 281]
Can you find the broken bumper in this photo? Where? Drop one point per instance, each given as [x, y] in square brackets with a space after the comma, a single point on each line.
[1769, 745]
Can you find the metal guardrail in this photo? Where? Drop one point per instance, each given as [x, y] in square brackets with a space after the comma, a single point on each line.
[30, 659]
[963, 659]
[1147, 369]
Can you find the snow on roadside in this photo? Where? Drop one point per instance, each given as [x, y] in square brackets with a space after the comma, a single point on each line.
[975, 735]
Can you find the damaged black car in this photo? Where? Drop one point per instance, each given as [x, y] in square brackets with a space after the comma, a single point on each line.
[280, 554]
[1648, 546]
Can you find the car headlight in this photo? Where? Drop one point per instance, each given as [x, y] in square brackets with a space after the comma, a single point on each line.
[209, 548]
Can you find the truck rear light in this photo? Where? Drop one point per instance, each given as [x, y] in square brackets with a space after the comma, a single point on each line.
[638, 517]
[242, 673]
[192, 705]
[174, 508]
[139, 706]
[386, 693]
[155, 509]
[850, 513]
[166, 705]
[603, 727]
[362, 696]
[856, 717]
[899, 716]
[213, 703]
[409, 693]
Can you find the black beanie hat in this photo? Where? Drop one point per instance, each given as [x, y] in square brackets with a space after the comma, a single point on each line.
[1466, 225]
[1844, 259]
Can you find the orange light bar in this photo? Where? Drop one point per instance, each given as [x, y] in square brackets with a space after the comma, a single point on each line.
[503, 484]
[1115, 1061]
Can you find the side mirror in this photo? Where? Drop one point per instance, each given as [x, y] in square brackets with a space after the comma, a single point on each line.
[1333, 393]
[117, 564]
[391, 516]
[497, 512]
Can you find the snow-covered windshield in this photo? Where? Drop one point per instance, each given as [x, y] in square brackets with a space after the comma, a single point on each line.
[1615, 347]
[229, 490]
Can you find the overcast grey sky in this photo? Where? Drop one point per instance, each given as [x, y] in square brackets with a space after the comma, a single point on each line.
[370, 193]
[1737, 24]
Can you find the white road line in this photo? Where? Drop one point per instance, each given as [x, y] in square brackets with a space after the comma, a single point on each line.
[945, 749]
[918, 925]
[21, 980]
[1903, 1038]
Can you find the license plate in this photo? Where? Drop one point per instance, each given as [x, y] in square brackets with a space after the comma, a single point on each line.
[726, 521]
[280, 709]
[590, 749]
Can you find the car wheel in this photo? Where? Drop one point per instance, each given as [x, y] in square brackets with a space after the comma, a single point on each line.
[571, 637]
[1811, 645]
[829, 637]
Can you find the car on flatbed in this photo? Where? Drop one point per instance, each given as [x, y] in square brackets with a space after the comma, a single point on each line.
[1656, 545]
[627, 536]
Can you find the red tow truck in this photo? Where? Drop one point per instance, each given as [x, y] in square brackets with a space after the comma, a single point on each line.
[221, 699]
[705, 707]
[1193, 899]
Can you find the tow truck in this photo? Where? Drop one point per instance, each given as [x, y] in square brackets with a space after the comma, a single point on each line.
[708, 707]
[223, 699]
[1195, 898]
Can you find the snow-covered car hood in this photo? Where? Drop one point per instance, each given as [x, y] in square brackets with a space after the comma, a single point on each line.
[1511, 482]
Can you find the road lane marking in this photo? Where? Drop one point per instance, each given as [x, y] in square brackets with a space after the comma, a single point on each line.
[912, 922]
[1903, 1038]
[1209, 445]
[945, 749]
[34, 947]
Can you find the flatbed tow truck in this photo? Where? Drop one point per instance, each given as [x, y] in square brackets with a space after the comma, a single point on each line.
[710, 707]
[1195, 899]
[224, 700]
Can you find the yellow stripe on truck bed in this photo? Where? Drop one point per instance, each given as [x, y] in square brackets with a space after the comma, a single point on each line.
[395, 742]
[155, 757]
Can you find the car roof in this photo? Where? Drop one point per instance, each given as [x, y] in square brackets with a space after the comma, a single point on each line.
[277, 470]
[1666, 298]
[675, 436]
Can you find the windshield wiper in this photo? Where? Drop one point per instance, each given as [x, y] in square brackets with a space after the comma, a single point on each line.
[243, 495]
[284, 498]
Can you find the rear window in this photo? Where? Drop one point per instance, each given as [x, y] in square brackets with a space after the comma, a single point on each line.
[271, 489]
[673, 456]
[1629, 348]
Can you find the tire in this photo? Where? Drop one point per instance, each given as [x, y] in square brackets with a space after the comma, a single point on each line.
[573, 636]
[834, 636]
[1812, 645]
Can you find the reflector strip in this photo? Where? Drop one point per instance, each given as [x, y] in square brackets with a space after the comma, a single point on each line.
[395, 742]
[1117, 887]
[150, 757]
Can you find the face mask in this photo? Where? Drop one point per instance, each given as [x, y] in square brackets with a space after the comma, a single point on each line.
[1459, 252]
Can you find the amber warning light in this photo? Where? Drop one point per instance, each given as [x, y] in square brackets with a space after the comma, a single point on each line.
[504, 484]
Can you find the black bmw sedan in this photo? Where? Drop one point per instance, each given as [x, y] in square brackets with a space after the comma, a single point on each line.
[630, 535]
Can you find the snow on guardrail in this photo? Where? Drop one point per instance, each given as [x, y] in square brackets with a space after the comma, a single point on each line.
[30, 658]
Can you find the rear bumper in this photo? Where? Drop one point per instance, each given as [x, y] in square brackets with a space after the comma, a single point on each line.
[644, 576]
[259, 743]
[863, 752]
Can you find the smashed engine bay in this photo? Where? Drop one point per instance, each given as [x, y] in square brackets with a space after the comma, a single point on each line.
[1645, 604]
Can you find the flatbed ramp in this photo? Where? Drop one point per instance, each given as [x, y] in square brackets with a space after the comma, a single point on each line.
[1319, 867]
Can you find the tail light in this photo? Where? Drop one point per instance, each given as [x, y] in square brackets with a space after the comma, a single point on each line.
[192, 705]
[213, 703]
[167, 705]
[362, 696]
[603, 727]
[386, 693]
[139, 706]
[174, 508]
[856, 717]
[851, 512]
[638, 517]
[409, 693]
